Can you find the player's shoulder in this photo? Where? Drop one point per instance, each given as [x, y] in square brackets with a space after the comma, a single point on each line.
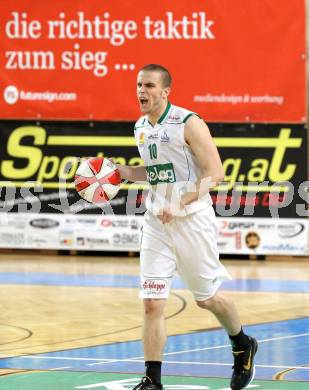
[141, 123]
[179, 115]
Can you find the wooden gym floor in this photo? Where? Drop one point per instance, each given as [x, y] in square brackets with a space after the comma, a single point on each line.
[61, 312]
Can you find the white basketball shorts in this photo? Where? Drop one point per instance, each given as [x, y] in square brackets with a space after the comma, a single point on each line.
[187, 245]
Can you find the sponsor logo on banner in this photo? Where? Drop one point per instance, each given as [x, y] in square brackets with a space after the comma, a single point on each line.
[81, 221]
[161, 173]
[34, 240]
[44, 223]
[106, 223]
[92, 242]
[120, 223]
[12, 239]
[277, 235]
[265, 226]
[134, 224]
[126, 239]
[11, 94]
[243, 166]
[252, 240]
[97, 241]
[154, 286]
[237, 225]
[80, 241]
[222, 244]
[235, 237]
[284, 248]
[13, 220]
[290, 230]
[66, 237]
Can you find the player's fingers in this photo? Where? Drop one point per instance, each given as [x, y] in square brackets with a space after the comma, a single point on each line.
[167, 216]
[160, 215]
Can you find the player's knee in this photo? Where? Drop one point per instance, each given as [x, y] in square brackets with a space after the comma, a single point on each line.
[154, 307]
[208, 304]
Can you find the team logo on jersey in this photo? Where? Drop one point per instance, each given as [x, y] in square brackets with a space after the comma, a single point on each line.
[164, 137]
[141, 139]
[153, 136]
[174, 117]
[161, 173]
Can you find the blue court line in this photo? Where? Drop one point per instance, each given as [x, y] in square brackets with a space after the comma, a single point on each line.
[130, 281]
[186, 354]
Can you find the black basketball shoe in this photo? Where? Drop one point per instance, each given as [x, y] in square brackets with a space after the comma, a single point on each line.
[243, 367]
[146, 384]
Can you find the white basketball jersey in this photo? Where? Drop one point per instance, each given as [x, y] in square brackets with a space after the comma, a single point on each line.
[171, 167]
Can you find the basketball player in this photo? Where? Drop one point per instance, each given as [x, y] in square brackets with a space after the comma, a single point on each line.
[180, 232]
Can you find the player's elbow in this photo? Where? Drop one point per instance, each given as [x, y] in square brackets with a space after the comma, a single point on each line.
[218, 175]
[213, 177]
[221, 175]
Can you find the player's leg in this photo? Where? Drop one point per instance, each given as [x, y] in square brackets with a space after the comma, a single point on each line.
[204, 273]
[244, 347]
[154, 334]
[158, 267]
[154, 338]
[225, 311]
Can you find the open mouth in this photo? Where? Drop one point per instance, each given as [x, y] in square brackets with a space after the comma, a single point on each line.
[143, 101]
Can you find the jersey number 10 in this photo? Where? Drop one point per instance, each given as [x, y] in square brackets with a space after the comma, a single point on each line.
[153, 151]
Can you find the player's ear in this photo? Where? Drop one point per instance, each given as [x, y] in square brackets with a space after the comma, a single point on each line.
[167, 91]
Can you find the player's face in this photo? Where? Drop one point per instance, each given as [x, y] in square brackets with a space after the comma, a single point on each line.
[151, 94]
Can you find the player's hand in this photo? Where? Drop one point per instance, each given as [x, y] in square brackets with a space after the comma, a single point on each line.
[165, 216]
[119, 166]
[112, 159]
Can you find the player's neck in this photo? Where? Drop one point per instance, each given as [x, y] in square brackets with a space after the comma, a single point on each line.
[154, 117]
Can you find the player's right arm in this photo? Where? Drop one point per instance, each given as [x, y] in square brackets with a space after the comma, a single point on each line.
[135, 172]
[132, 173]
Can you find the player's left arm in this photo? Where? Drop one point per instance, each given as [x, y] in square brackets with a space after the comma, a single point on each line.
[199, 139]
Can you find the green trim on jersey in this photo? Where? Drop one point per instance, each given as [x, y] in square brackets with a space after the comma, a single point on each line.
[162, 117]
[188, 116]
[189, 172]
[143, 124]
[140, 127]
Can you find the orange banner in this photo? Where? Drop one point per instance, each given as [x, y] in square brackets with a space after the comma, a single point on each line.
[231, 61]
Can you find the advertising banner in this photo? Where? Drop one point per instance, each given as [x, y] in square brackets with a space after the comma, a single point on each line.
[265, 167]
[265, 189]
[230, 61]
[101, 232]
[283, 236]
[65, 231]
[265, 170]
